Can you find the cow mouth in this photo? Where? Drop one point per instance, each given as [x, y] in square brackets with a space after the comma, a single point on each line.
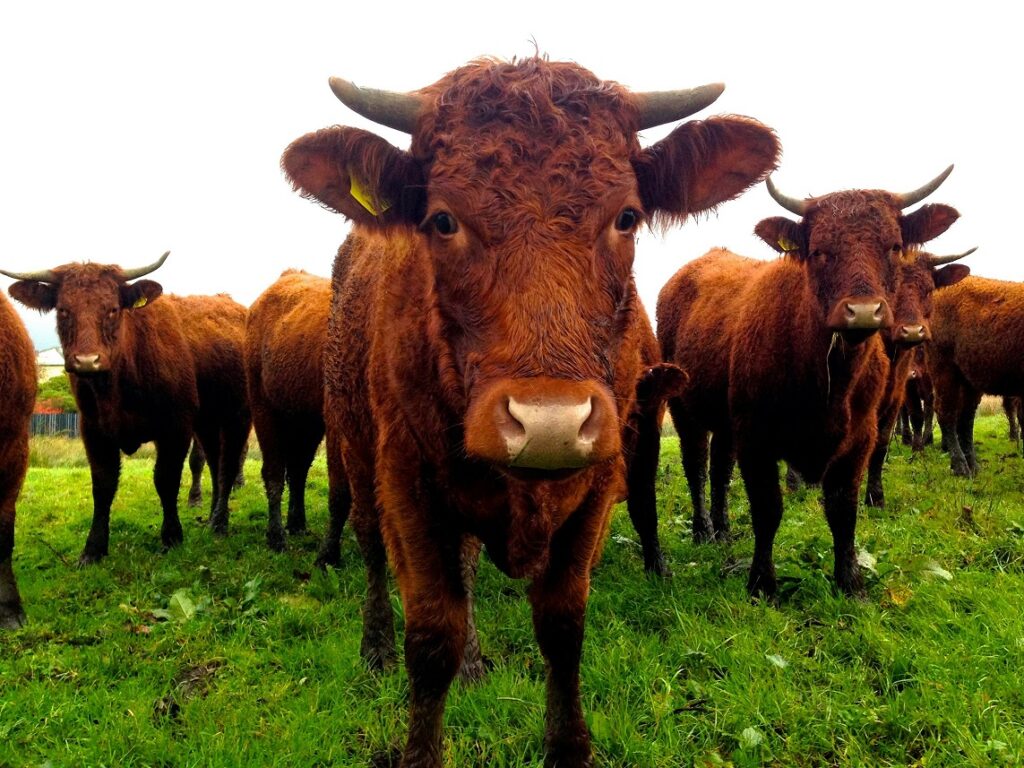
[529, 475]
[856, 336]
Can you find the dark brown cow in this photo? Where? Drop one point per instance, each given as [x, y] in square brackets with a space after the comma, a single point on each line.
[139, 373]
[919, 278]
[977, 347]
[284, 343]
[917, 417]
[17, 396]
[483, 346]
[806, 368]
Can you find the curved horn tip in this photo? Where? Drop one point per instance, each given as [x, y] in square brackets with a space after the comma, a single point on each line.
[912, 198]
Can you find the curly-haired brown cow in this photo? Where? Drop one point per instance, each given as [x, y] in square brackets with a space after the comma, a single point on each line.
[483, 349]
[785, 361]
[145, 367]
[977, 347]
[17, 397]
[284, 343]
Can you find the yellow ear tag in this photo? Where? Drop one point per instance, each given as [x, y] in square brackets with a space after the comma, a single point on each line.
[364, 198]
[788, 245]
[140, 302]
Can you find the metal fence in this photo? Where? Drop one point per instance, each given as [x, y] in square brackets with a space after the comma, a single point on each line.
[63, 424]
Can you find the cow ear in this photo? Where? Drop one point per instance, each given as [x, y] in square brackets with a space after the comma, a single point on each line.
[704, 163]
[138, 294]
[34, 295]
[358, 174]
[927, 223]
[780, 233]
[951, 274]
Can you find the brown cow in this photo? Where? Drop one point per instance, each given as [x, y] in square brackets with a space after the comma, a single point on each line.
[140, 373]
[919, 278]
[17, 396]
[483, 346]
[284, 342]
[806, 368]
[977, 347]
[917, 417]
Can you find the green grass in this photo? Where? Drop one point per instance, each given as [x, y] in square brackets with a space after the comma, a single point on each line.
[222, 653]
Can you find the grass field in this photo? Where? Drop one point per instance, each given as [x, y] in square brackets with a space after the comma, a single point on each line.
[221, 653]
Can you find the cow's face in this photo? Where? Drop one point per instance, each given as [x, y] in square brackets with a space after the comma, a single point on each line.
[91, 301]
[525, 187]
[913, 306]
[852, 245]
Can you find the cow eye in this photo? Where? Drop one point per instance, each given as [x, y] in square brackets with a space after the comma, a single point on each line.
[627, 220]
[445, 224]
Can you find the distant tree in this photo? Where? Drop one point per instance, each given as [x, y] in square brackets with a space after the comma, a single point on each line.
[55, 395]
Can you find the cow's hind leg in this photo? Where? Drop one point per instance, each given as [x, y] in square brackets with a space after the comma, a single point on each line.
[170, 461]
[339, 504]
[301, 455]
[13, 465]
[722, 462]
[196, 462]
[472, 668]
[693, 444]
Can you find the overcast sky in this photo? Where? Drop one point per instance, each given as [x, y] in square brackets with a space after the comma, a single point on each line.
[132, 128]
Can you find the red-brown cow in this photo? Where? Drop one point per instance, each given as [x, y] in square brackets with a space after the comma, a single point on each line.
[919, 278]
[284, 343]
[17, 396]
[917, 417]
[806, 369]
[483, 347]
[977, 347]
[140, 373]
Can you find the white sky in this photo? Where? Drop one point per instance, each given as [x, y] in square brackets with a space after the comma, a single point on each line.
[132, 128]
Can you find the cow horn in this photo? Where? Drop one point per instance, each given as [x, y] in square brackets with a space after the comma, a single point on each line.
[911, 198]
[660, 107]
[791, 204]
[131, 274]
[42, 276]
[395, 110]
[938, 261]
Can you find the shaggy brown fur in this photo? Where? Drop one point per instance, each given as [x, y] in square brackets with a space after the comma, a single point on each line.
[17, 396]
[166, 367]
[795, 386]
[502, 269]
[977, 347]
[284, 343]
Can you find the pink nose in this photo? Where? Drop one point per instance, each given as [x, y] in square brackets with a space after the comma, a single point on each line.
[543, 423]
[87, 363]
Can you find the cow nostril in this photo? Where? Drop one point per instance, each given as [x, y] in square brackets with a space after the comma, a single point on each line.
[851, 312]
[879, 311]
[591, 427]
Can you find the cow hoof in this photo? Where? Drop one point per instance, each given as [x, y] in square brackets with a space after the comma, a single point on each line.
[851, 583]
[379, 658]
[219, 526]
[11, 617]
[762, 583]
[570, 750]
[276, 540]
[471, 672]
[88, 558]
[195, 501]
[329, 555]
[658, 567]
[294, 529]
[874, 498]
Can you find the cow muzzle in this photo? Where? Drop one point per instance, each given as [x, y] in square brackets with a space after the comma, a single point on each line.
[860, 313]
[543, 424]
[84, 364]
[910, 335]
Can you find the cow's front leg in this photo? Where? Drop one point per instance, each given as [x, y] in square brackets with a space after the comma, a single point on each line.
[171, 452]
[105, 467]
[436, 612]
[840, 486]
[559, 601]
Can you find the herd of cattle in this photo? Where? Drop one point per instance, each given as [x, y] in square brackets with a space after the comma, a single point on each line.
[485, 374]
